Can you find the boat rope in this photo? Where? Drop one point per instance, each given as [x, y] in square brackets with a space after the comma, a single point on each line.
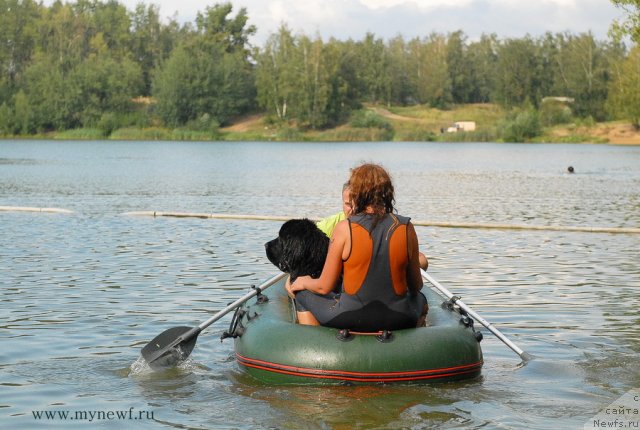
[30, 209]
[613, 230]
[236, 329]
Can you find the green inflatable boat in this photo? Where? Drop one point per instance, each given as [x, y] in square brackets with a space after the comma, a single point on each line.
[272, 348]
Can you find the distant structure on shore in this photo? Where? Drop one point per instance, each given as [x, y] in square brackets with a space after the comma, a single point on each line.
[566, 100]
[461, 126]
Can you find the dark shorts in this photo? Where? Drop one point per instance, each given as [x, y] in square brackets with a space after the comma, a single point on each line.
[332, 310]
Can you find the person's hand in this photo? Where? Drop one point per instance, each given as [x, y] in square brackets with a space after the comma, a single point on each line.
[287, 286]
[298, 285]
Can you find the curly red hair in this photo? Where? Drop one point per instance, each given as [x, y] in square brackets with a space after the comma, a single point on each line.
[371, 187]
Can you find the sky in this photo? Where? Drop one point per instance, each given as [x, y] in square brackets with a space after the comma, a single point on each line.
[345, 19]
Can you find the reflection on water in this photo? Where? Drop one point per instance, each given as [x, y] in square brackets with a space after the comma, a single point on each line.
[81, 294]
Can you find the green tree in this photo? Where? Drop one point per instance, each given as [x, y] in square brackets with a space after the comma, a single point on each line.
[64, 36]
[373, 69]
[6, 120]
[342, 82]
[307, 80]
[151, 41]
[275, 74]
[18, 36]
[173, 88]
[549, 67]
[104, 83]
[428, 70]
[631, 25]
[22, 113]
[624, 90]
[516, 73]
[50, 95]
[402, 92]
[313, 93]
[482, 56]
[208, 73]
[583, 73]
[113, 21]
[231, 33]
[461, 69]
[82, 67]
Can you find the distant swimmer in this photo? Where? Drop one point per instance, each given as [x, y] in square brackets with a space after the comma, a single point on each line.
[570, 169]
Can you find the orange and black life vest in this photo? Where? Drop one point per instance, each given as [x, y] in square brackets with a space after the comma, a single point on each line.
[376, 269]
[375, 294]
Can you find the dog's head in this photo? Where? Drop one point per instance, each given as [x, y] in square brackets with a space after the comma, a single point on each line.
[300, 248]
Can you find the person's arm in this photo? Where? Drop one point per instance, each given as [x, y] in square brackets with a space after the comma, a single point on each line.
[332, 265]
[414, 277]
[424, 263]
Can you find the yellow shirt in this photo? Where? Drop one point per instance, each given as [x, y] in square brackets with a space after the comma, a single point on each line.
[329, 223]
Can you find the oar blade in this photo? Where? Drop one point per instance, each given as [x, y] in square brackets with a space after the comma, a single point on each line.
[170, 347]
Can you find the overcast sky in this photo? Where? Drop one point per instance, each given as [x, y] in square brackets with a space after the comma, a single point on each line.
[345, 19]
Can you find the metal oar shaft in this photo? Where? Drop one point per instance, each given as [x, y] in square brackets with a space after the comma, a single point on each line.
[175, 344]
[525, 356]
[242, 300]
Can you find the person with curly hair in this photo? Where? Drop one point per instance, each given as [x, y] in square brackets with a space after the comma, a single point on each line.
[376, 253]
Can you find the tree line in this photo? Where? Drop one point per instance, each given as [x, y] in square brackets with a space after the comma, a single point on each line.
[95, 64]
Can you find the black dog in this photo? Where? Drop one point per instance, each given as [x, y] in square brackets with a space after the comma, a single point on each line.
[300, 249]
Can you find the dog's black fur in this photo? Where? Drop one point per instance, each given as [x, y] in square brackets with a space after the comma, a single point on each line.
[300, 249]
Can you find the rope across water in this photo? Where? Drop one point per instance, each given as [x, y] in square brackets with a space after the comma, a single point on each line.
[614, 230]
[469, 225]
[30, 209]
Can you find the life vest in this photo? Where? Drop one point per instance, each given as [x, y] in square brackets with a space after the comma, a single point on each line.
[376, 268]
[375, 294]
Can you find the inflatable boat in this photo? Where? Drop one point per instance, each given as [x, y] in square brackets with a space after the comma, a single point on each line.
[274, 349]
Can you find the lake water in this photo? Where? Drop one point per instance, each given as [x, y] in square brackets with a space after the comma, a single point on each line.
[82, 293]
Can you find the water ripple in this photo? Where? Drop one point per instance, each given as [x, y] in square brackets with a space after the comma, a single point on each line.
[81, 294]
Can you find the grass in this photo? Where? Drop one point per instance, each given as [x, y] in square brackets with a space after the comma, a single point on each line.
[420, 123]
[80, 134]
[374, 123]
[572, 138]
[149, 133]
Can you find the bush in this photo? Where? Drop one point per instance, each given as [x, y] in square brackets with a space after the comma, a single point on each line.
[205, 123]
[521, 125]
[470, 136]
[586, 122]
[553, 112]
[111, 121]
[286, 133]
[184, 134]
[356, 135]
[369, 119]
[418, 136]
[5, 120]
[107, 123]
[85, 133]
[151, 133]
[203, 128]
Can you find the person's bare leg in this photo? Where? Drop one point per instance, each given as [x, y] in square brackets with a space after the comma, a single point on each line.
[422, 321]
[307, 318]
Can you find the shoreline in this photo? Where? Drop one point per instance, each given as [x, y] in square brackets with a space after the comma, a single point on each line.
[407, 124]
[43, 138]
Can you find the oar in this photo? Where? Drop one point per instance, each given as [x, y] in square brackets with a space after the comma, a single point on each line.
[175, 344]
[524, 355]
